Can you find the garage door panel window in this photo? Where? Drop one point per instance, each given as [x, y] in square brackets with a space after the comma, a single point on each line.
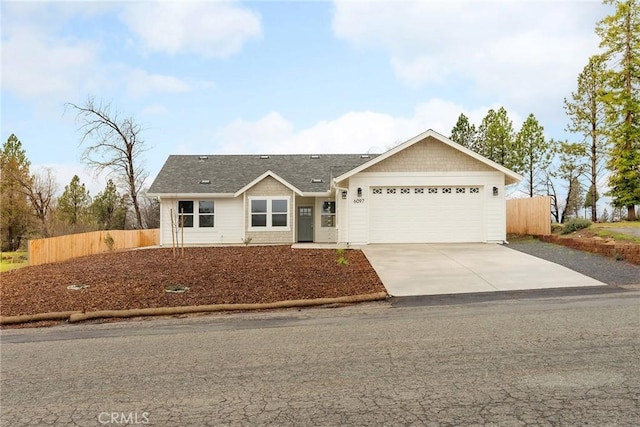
[446, 190]
[269, 212]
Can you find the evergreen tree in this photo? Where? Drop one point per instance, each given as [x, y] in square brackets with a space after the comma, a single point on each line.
[620, 40]
[74, 203]
[586, 114]
[464, 133]
[536, 153]
[15, 212]
[496, 140]
[109, 208]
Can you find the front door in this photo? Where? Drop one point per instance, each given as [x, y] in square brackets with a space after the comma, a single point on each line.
[305, 224]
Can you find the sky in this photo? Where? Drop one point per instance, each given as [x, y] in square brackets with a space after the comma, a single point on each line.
[273, 77]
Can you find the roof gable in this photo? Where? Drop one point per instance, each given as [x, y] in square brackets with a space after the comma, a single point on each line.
[430, 151]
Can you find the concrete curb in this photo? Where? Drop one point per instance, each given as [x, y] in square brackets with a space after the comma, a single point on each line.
[77, 316]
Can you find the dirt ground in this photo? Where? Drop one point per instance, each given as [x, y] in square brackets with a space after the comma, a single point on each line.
[220, 275]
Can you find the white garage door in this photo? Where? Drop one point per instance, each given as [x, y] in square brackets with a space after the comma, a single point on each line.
[426, 214]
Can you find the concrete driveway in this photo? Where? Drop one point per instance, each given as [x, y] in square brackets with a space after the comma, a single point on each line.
[433, 269]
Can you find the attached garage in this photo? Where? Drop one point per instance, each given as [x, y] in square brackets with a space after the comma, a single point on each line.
[426, 214]
[428, 189]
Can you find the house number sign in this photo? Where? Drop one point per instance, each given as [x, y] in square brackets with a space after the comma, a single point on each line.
[359, 200]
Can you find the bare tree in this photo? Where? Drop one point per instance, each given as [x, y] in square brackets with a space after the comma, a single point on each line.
[113, 144]
[41, 193]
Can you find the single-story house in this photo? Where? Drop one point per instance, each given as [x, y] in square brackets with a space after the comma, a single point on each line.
[427, 189]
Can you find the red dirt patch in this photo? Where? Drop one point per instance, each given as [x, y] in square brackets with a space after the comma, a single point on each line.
[220, 275]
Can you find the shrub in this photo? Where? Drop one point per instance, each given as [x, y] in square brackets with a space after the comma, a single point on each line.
[110, 242]
[575, 224]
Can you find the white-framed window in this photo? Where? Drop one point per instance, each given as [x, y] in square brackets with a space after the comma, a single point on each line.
[446, 190]
[377, 191]
[433, 190]
[391, 191]
[206, 212]
[418, 190]
[187, 213]
[474, 190]
[269, 213]
[460, 190]
[328, 214]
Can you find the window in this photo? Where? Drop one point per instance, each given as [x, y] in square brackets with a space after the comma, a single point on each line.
[185, 213]
[377, 191]
[328, 214]
[404, 191]
[418, 190]
[446, 190]
[391, 191]
[474, 190]
[460, 190]
[269, 212]
[205, 211]
[433, 190]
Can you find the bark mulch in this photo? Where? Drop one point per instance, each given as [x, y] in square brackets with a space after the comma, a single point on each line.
[218, 275]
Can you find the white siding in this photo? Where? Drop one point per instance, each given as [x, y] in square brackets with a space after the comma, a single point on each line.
[228, 224]
[491, 221]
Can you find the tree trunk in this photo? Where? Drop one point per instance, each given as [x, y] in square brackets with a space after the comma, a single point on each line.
[631, 213]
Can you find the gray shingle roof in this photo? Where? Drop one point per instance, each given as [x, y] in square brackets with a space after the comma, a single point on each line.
[229, 173]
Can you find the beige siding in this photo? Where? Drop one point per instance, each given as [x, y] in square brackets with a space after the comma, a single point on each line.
[270, 187]
[429, 155]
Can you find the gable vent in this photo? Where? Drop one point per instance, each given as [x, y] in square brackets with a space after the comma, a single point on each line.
[314, 156]
[205, 181]
[317, 181]
[365, 156]
[264, 156]
[203, 157]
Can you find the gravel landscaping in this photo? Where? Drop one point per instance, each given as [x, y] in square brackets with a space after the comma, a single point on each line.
[604, 269]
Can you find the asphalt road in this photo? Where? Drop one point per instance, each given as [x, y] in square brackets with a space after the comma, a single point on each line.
[561, 360]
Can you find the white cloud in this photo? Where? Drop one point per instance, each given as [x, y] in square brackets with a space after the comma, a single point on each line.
[211, 29]
[353, 132]
[140, 83]
[516, 51]
[40, 65]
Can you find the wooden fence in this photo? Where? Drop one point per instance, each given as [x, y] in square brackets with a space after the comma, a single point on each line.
[55, 249]
[529, 216]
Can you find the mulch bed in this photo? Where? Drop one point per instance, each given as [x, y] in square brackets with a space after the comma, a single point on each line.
[219, 275]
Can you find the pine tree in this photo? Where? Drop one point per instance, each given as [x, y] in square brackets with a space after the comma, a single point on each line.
[109, 208]
[15, 211]
[73, 203]
[620, 40]
[536, 153]
[464, 133]
[496, 140]
[586, 115]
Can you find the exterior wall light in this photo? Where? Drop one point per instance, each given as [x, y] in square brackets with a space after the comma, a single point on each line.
[495, 191]
[359, 192]
[344, 195]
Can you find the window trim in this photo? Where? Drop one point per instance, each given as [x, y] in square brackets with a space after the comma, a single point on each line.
[196, 214]
[269, 213]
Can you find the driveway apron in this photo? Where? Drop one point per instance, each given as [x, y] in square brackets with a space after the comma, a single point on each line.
[434, 269]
